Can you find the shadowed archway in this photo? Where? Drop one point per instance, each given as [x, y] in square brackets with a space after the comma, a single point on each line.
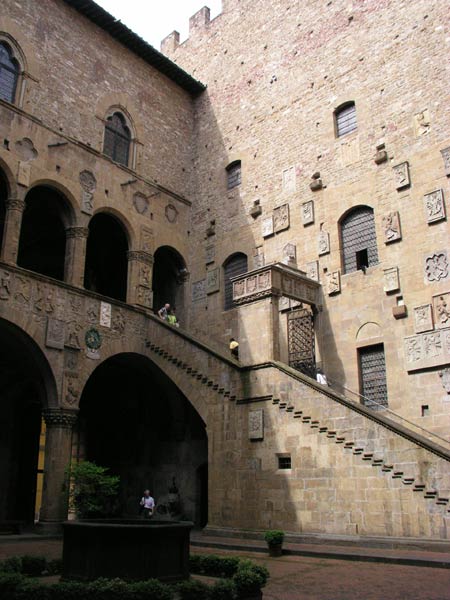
[169, 275]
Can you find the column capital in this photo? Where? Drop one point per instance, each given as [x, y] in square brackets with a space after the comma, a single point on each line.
[15, 204]
[57, 417]
[77, 232]
[140, 256]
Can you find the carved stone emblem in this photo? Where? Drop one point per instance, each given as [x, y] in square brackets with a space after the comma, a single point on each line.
[426, 350]
[72, 392]
[312, 270]
[290, 255]
[140, 203]
[323, 242]
[308, 212]
[391, 227]
[288, 180]
[147, 240]
[441, 310]
[72, 335]
[25, 149]
[238, 288]
[422, 123]
[43, 300]
[267, 226]
[145, 274]
[144, 296]
[434, 206]
[401, 174]
[423, 318]
[210, 254]
[446, 158]
[56, 333]
[436, 266]
[212, 281]
[92, 312]
[281, 218]
[71, 360]
[24, 173]
[445, 378]
[391, 280]
[22, 290]
[199, 290]
[105, 314]
[171, 213]
[5, 290]
[256, 424]
[93, 341]
[88, 185]
[333, 283]
[118, 323]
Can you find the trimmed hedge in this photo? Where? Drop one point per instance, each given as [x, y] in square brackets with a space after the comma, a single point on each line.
[242, 578]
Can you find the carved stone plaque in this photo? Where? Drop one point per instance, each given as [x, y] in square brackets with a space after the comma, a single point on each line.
[312, 270]
[421, 123]
[105, 314]
[147, 240]
[391, 227]
[308, 212]
[391, 280]
[199, 290]
[446, 158]
[24, 173]
[423, 318]
[87, 202]
[434, 206]
[56, 334]
[88, 185]
[213, 281]
[140, 203]
[290, 255]
[289, 183]
[71, 389]
[210, 254]
[267, 226]
[144, 296]
[333, 283]
[401, 174]
[445, 378]
[441, 310]
[323, 242]
[171, 213]
[426, 350]
[5, 285]
[281, 218]
[436, 266]
[258, 257]
[256, 424]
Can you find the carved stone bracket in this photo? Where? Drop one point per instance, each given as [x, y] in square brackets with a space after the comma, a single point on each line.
[140, 256]
[56, 417]
[275, 280]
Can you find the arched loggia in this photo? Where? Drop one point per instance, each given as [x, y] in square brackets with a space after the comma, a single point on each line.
[27, 387]
[42, 244]
[106, 268]
[169, 275]
[135, 421]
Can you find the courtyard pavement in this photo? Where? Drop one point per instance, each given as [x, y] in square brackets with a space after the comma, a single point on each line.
[303, 577]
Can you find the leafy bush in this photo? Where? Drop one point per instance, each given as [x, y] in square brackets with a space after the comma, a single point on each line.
[192, 590]
[108, 589]
[9, 582]
[151, 589]
[247, 582]
[212, 565]
[223, 590]
[246, 565]
[54, 566]
[68, 590]
[92, 491]
[13, 564]
[30, 588]
[274, 537]
[33, 566]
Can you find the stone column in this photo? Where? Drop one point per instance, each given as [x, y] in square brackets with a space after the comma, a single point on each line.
[13, 223]
[76, 240]
[140, 275]
[58, 451]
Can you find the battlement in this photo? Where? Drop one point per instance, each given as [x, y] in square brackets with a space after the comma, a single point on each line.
[198, 23]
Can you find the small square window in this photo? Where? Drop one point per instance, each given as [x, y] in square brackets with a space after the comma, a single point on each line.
[284, 462]
[362, 260]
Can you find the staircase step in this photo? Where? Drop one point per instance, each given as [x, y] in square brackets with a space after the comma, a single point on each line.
[298, 414]
[368, 456]
[358, 451]
[227, 394]
[431, 494]
[387, 468]
[289, 409]
[323, 429]
[306, 419]
[282, 405]
[349, 444]
[275, 401]
[233, 398]
[408, 480]
[215, 386]
[314, 425]
[419, 487]
[397, 474]
[377, 462]
[331, 434]
[340, 440]
[442, 501]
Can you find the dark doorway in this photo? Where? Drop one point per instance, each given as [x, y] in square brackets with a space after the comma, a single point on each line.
[372, 367]
[169, 276]
[136, 422]
[22, 397]
[106, 258]
[3, 199]
[42, 244]
[233, 266]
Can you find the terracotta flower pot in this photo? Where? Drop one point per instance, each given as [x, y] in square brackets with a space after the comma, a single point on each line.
[275, 550]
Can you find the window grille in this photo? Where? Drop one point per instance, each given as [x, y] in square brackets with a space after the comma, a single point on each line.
[346, 119]
[284, 462]
[117, 139]
[373, 376]
[236, 265]
[359, 242]
[9, 73]
[234, 174]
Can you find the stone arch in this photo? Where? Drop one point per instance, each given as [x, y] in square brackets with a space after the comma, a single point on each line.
[71, 205]
[42, 244]
[235, 264]
[369, 330]
[169, 277]
[28, 387]
[106, 267]
[156, 439]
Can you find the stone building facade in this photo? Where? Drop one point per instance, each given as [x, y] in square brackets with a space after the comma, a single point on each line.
[281, 178]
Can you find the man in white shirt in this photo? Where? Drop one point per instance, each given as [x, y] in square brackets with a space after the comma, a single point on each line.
[147, 505]
[321, 377]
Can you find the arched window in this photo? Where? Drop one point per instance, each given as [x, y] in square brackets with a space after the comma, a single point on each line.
[234, 174]
[9, 73]
[345, 119]
[117, 139]
[234, 265]
[359, 241]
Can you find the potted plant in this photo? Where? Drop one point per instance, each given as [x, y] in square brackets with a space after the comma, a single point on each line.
[274, 539]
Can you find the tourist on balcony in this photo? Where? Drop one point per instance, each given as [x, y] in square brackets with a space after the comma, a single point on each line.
[164, 311]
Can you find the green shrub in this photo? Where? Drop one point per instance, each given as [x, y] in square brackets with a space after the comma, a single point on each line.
[192, 590]
[92, 491]
[13, 564]
[274, 537]
[248, 565]
[223, 590]
[54, 566]
[108, 589]
[247, 582]
[68, 590]
[33, 566]
[9, 582]
[151, 589]
[30, 588]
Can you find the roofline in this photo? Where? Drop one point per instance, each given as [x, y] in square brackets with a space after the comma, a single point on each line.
[136, 44]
